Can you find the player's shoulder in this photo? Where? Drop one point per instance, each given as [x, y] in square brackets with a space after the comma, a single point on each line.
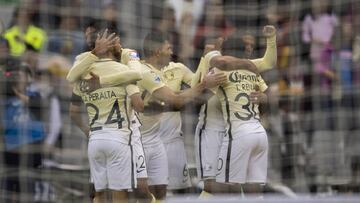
[108, 63]
[131, 54]
[149, 74]
[177, 65]
[82, 55]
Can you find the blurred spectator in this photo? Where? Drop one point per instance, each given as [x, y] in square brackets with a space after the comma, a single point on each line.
[4, 51]
[195, 8]
[345, 59]
[23, 33]
[325, 145]
[241, 44]
[186, 15]
[318, 29]
[280, 19]
[47, 84]
[212, 25]
[110, 18]
[67, 40]
[167, 25]
[23, 128]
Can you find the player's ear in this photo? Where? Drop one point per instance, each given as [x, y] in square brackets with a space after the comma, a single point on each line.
[157, 52]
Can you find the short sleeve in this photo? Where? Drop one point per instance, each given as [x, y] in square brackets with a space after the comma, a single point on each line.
[132, 89]
[211, 55]
[151, 81]
[129, 55]
[188, 74]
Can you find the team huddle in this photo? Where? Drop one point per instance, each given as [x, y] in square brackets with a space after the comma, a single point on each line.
[134, 129]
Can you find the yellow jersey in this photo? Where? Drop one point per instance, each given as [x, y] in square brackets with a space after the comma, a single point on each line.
[174, 76]
[151, 81]
[234, 96]
[108, 107]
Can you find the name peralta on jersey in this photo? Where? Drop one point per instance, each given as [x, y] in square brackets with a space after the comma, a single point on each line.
[108, 107]
[234, 96]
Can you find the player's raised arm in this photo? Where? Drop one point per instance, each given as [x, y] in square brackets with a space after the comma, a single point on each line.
[269, 59]
[229, 63]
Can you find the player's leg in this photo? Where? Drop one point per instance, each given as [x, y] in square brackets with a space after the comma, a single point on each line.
[121, 170]
[253, 188]
[119, 196]
[207, 149]
[97, 162]
[258, 162]
[99, 197]
[179, 178]
[157, 169]
[233, 162]
[142, 192]
[159, 191]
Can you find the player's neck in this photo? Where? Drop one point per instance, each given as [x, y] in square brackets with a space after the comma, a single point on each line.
[155, 62]
[107, 55]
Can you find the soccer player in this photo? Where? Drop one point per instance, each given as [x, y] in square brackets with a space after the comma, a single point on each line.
[211, 127]
[155, 91]
[110, 150]
[82, 65]
[175, 75]
[157, 53]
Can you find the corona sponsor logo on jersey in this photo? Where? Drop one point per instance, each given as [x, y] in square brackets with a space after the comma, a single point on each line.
[236, 77]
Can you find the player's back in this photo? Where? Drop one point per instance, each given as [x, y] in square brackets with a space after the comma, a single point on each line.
[234, 96]
[107, 107]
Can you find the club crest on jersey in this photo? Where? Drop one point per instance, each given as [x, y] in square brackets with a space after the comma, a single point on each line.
[169, 75]
[133, 55]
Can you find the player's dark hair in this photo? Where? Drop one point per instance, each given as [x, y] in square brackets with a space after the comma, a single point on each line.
[93, 23]
[153, 42]
[234, 45]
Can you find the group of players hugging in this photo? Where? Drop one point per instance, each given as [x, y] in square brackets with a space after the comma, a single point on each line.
[136, 147]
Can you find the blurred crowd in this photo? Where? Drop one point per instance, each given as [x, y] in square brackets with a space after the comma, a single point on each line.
[313, 114]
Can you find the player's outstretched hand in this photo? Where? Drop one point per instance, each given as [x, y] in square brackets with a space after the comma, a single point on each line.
[269, 31]
[214, 79]
[103, 43]
[90, 85]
